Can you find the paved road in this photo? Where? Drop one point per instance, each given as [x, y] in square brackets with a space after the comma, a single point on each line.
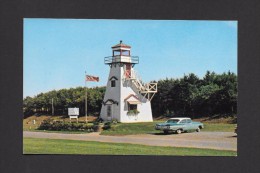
[213, 140]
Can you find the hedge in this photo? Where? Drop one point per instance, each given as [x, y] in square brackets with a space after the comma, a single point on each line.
[66, 126]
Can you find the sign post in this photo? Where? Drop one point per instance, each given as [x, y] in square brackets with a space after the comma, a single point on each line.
[52, 107]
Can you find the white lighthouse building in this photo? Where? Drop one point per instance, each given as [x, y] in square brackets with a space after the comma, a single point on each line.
[127, 98]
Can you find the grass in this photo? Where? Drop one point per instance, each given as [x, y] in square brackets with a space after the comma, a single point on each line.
[130, 129]
[215, 125]
[144, 128]
[61, 131]
[219, 127]
[60, 146]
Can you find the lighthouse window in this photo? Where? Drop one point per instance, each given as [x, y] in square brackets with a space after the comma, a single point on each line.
[113, 83]
[126, 52]
[132, 107]
[116, 53]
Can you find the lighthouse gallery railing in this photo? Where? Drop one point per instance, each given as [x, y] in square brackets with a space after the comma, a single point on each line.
[126, 59]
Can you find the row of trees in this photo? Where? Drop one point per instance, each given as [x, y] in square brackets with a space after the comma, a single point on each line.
[189, 96]
[194, 97]
[63, 99]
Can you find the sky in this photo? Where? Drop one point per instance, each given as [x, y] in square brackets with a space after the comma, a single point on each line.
[57, 52]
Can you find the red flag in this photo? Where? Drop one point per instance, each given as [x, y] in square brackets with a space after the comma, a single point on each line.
[92, 78]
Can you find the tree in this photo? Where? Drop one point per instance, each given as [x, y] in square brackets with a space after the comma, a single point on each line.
[186, 96]
[194, 97]
[63, 99]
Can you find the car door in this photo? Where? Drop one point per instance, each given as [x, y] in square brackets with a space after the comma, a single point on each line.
[189, 125]
[184, 125]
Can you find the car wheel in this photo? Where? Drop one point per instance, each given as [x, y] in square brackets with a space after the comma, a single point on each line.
[165, 132]
[178, 131]
[198, 129]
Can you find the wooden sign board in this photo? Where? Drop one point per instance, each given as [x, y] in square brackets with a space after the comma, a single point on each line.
[73, 111]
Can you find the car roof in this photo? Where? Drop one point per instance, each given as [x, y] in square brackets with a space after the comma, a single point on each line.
[180, 118]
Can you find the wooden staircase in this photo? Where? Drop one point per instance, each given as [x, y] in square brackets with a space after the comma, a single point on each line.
[146, 90]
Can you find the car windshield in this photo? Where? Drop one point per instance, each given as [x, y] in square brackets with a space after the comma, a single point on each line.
[172, 121]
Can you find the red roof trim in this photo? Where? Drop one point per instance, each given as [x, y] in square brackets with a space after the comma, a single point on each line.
[121, 45]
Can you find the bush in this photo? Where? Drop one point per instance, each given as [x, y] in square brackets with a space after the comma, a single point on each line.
[96, 123]
[76, 126]
[57, 125]
[107, 125]
[96, 128]
[114, 121]
[64, 126]
[133, 112]
[45, 125]
[87, 127]
[100, 120]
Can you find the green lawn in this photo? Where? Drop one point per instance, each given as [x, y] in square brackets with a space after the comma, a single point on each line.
[139, 128]
[144, 128]
[218, 127]
[59, 146]
[130, 129]
[64, 132]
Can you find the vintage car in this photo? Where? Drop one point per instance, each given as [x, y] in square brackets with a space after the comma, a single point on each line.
[179, 125]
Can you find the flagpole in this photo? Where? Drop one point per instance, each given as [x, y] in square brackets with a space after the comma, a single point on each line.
[86, 98]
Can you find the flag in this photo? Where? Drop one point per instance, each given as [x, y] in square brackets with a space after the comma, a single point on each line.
[92, 78]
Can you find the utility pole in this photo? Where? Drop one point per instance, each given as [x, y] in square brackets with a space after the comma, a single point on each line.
[52, 106]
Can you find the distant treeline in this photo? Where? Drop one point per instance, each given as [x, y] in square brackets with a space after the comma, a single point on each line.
[214, 94]
[64, 99]
[187, 96]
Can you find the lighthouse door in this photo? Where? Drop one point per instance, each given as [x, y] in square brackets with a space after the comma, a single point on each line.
[108, 110]
[128, 70]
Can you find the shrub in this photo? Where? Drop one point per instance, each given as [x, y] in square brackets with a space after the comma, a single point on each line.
[76, 126]
[133, 112]
[114, 121]
[87, 127]
[59, 125]
[96, 128]
[99, 119]
[96, 123]
[107, 125]
[45, 125]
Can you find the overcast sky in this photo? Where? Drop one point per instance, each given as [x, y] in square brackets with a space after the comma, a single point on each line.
[57, 52]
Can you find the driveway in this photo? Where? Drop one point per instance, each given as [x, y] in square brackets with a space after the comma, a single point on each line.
[211, 140]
